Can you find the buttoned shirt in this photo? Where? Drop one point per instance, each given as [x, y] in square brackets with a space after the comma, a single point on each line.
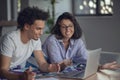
[54, 49]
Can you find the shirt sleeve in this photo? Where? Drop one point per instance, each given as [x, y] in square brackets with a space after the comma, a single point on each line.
[83, 50]
[52, 51]
[7, 46]
[81, 55]
[38, 45]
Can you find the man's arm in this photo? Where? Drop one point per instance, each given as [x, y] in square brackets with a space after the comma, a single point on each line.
[44, 66]
[5, 73]
[4, 68]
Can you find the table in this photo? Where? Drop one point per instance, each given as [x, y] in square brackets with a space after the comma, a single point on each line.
[101, 75]
[108, 75]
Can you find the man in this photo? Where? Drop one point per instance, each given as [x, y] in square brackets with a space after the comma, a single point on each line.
[16, 47]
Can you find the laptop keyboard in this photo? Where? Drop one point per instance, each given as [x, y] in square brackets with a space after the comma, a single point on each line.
[76, 67]
[75, 71]
[72, 74]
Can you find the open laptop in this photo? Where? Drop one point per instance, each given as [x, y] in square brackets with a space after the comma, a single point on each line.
[90, 69]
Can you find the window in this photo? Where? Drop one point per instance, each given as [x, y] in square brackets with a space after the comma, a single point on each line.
[92, 7]
[18, 5]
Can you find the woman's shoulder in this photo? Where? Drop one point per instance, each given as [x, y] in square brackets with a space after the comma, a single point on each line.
[51, 37]
[78, 40]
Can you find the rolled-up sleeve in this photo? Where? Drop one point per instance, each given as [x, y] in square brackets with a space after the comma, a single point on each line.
[81, 54]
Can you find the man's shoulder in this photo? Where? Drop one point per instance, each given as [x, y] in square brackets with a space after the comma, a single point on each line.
[11, 34]
[34, 42]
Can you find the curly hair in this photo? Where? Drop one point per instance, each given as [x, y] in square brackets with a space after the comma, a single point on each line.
[66, 15]
[29, 15]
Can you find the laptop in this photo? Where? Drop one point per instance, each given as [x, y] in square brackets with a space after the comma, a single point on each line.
[90, 69]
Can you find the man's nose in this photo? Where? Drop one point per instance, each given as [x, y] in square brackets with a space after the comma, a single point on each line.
[41, 32]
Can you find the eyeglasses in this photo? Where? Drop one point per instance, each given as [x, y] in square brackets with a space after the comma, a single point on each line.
[66, 27]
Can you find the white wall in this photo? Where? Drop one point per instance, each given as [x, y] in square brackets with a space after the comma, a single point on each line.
[60, 7]
[42, 4]
[63, 6]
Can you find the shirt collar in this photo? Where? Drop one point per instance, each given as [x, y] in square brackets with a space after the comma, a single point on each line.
[71, 41]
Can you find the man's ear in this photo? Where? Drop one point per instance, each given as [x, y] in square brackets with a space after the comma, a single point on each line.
[26, 26]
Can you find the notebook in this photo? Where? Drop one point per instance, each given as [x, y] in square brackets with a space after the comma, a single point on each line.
[90, 69]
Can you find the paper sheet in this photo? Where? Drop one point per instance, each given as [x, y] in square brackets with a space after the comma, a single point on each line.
[50, 78]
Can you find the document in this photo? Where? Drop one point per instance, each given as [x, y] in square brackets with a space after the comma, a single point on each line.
[50, 78]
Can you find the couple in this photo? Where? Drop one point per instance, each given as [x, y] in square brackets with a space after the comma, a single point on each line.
[17, 46]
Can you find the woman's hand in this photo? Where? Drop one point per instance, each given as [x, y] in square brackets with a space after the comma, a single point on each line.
[65, 63]
[112, 65]
[54, 67]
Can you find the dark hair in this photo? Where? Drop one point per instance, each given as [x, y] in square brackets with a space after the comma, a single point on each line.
[29, 15]
[66, 15]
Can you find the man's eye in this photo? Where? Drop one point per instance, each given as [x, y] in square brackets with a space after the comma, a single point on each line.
[63, 26]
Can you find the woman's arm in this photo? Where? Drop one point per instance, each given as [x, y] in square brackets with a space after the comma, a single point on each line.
[81, 54]
[52, 49]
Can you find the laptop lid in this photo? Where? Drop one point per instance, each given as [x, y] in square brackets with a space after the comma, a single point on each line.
[92, 62]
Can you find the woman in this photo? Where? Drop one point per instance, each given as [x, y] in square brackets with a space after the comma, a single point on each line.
[65, 45]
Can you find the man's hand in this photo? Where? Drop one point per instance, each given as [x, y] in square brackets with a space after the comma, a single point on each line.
[28, 74]
[54, 67]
